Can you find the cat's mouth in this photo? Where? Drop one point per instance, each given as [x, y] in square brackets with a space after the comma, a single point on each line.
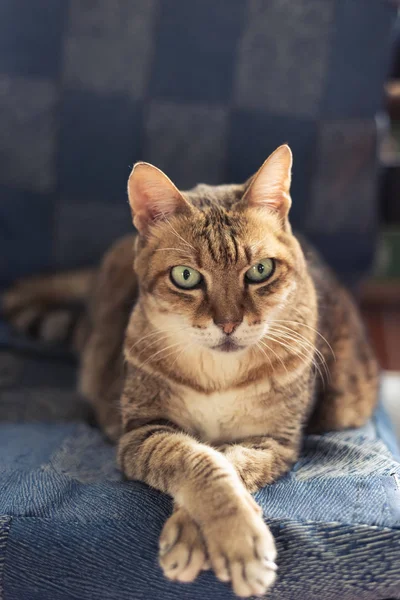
[228, 345]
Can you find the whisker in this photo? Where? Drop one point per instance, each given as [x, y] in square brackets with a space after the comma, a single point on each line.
[179, 236]
[309, 352]
[181, 352]
[298, 353]
[163, 337]
[308, 327]
[316, 350]
[298, 338]
[284, 335]
[143, 338]
[174, 352]
[287, 347]
[265, 354]
[159, 352]
[273, 352]
[179, 250]
[156, 332]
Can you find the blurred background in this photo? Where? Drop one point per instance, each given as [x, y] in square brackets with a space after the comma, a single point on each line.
[205, 91]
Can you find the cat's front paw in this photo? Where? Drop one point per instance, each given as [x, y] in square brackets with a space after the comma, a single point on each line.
[241, 549]
[182, 553]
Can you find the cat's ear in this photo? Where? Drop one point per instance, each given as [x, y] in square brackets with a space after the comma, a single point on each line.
[152, 196]
[270, 186]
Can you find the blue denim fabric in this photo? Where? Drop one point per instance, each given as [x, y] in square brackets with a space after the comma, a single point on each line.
[71, 528]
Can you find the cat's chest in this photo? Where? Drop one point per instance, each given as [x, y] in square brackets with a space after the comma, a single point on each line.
[223, 416]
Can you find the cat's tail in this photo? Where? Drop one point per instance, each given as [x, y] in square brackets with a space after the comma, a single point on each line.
[49, 307]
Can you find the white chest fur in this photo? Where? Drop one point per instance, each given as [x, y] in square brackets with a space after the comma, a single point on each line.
[223, 416]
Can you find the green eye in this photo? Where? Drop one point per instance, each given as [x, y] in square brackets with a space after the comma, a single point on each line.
[185, 277]
[261, 271]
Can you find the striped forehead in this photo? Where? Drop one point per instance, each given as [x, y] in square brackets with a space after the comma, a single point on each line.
[219, 233]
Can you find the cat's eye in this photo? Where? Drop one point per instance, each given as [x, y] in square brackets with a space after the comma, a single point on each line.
[185, 277]
[261, 271]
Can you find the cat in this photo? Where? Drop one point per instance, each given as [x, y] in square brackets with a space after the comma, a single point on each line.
[212, 340]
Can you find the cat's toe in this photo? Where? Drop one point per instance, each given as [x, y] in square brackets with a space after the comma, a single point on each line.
[252, 578]
[182, 551]
[242, 551]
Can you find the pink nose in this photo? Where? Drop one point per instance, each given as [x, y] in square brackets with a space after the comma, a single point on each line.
[229, 326]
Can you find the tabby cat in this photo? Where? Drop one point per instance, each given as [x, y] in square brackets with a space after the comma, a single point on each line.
[226, 339]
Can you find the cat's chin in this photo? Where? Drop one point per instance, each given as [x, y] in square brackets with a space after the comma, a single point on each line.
[228, 346]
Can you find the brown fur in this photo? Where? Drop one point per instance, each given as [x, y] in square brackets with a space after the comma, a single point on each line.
[206, 426]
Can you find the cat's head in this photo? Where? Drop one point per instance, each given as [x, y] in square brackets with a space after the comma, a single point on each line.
[216, 264]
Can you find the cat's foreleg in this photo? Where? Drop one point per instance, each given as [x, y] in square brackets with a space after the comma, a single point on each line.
[203, 482]
[260, 460]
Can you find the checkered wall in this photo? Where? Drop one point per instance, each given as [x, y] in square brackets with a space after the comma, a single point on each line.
[204, 90]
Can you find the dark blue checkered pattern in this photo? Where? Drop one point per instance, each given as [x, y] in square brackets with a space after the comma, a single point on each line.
[204, 90]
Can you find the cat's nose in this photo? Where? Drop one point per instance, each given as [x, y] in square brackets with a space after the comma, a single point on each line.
[228, 327]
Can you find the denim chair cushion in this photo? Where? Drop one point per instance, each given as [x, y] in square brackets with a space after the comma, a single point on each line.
[70, 527]
[203, 90]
